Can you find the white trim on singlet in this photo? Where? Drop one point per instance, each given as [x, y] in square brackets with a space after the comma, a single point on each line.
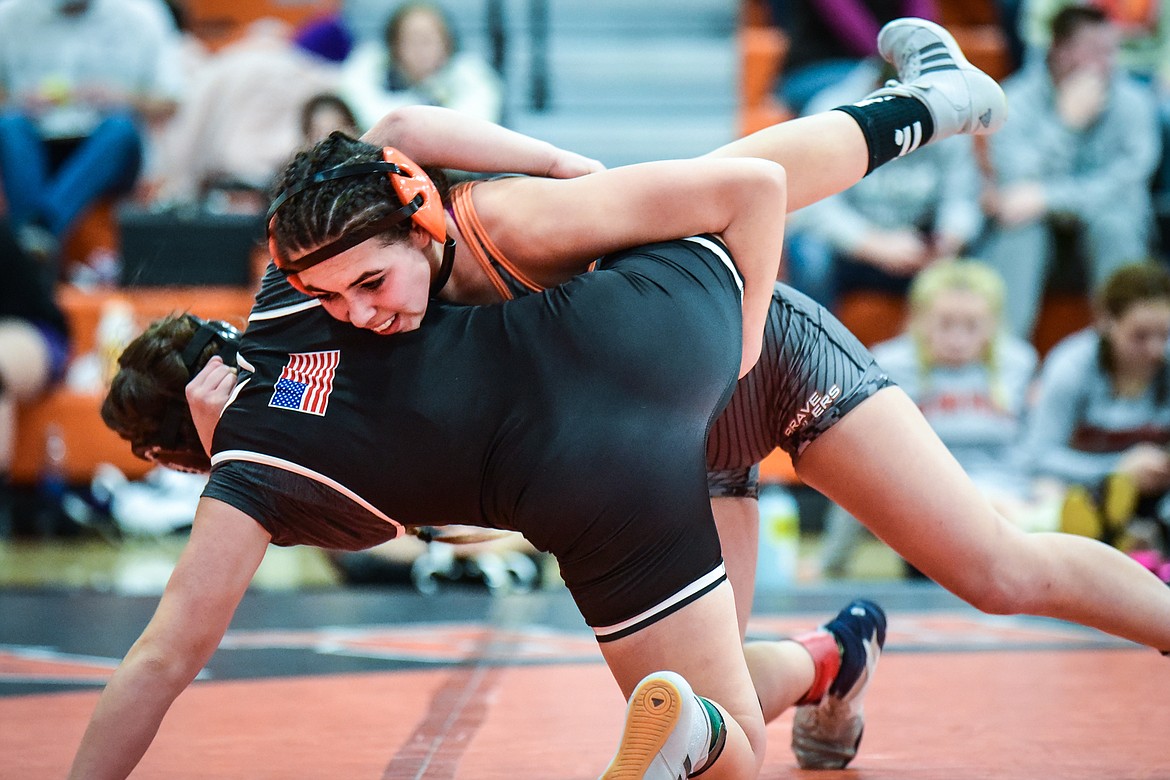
[723, 257]
[667, 605]
[295, 468]
[283, 311]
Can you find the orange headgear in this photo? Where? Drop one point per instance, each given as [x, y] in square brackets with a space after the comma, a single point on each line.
[420, 200]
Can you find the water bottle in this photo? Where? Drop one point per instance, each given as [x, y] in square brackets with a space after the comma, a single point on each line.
[51, 482]
[116, 328]
[779, 547]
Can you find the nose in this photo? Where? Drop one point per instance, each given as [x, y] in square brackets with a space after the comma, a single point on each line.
[361, 315]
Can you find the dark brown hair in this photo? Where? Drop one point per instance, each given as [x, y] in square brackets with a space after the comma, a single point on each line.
[320, 214]
[1126, 287]
[1069, 20]
[149, 389]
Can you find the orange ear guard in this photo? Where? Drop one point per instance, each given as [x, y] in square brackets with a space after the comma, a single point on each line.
[415, 190]
[411, 182]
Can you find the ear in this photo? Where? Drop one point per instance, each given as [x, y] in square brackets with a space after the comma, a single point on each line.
[419, 237]
[151, 454]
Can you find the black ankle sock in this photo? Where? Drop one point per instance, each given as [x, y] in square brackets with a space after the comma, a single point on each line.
[893, 126]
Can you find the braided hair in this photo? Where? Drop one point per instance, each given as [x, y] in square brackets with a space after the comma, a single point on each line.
[322, 213]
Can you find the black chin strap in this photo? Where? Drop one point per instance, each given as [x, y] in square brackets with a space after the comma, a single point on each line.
[444, 275]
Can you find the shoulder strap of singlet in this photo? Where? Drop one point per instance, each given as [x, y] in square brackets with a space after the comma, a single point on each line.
[483, 249]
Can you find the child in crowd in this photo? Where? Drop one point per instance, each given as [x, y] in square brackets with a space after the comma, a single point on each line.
[1101, 421]
[970, 378]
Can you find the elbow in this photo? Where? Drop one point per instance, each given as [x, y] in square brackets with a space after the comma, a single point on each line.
[770, 185]
[398, 128]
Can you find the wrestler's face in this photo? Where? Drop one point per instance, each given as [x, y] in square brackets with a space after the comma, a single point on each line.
[957, 327]
[1139, 337]
[373, 286]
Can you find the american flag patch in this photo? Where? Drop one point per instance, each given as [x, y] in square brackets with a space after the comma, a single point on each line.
[306, 382]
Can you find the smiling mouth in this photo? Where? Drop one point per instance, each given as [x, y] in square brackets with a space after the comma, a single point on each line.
[385, 325]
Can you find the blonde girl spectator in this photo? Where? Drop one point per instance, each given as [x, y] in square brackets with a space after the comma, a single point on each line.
[970, 378]
[418, 62]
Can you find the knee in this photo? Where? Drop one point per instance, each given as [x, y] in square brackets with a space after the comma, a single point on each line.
[996, 586]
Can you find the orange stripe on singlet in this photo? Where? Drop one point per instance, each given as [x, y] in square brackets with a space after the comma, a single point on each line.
[483, 249]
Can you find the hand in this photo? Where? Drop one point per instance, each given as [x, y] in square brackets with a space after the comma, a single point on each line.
[1081, 97]
[207, 395]
[1149, 466]
[569, 165]
[1019, 203]
[944, 246]
[898, 252]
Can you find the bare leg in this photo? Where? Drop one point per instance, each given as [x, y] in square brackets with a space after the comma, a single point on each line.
[923, 505]
[701, 643]
[800, 146]
[738, 521]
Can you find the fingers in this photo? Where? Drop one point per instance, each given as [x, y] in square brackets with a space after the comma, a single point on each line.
[213, 384]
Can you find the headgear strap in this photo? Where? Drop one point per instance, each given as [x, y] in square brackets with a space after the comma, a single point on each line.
[228, 339]
[415, 190]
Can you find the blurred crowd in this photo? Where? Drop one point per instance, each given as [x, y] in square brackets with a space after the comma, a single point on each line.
[121, 101]
[1073, 194]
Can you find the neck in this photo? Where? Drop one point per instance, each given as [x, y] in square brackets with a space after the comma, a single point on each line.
[468, 282]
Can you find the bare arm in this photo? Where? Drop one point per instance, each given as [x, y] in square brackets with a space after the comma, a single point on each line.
[554, 227]
[448, 139]
[225, 548]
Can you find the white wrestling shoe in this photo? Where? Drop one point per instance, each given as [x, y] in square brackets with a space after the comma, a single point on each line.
[931, 67]
[826, 735]
[669, 734]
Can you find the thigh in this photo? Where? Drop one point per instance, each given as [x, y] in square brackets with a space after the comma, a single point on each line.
[1021, 255]
[883, 464]
[1114, 238]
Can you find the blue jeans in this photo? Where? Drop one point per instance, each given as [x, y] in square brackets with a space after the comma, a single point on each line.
[106, 162]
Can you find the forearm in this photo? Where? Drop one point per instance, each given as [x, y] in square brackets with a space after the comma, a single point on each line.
[127, 716]
[755, 236]
[443, 138]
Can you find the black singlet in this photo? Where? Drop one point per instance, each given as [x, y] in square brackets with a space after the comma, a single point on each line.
[812, 370]
[577, 416]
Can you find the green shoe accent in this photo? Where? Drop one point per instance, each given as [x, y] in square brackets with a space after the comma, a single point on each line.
[718, 736]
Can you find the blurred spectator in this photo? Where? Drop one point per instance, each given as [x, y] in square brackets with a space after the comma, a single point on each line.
[242, 119]
[970, 378]
[1144, 28]
[79, 81]
[897, 220]
[1075, 158]
[34, 347]
[418, 61]
[1144, 53]
[322, 114]
[1101, 418]
[827, 38]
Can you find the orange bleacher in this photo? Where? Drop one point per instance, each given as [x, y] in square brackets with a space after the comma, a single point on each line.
[87, 440]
